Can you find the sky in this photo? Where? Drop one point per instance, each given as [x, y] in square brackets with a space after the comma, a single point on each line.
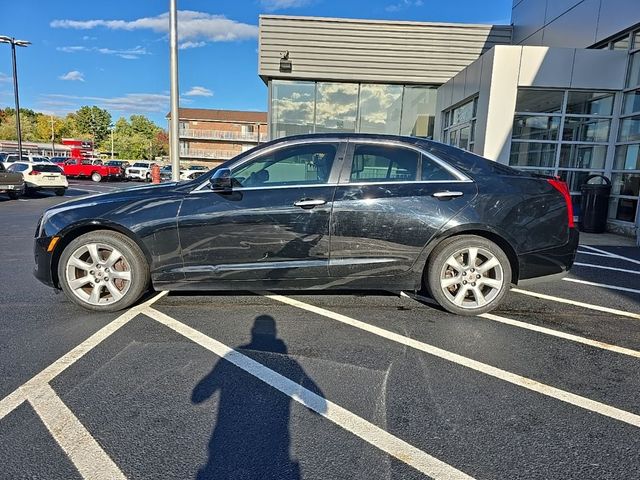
[115, 54]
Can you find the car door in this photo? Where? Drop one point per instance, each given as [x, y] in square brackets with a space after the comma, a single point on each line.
[273, 225]
[390, 201]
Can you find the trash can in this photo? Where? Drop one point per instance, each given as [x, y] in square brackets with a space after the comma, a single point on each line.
[594, 204]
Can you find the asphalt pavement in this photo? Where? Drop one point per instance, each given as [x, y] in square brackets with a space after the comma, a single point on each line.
[284, 385]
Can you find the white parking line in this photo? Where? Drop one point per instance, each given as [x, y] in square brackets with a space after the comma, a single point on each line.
[14, 399]
[590, 306]
[533, 385]
[594, 254]
[82, 449]
[566, 336]
[612, 255]
[622, 270]
[601, 285]
[349, 421]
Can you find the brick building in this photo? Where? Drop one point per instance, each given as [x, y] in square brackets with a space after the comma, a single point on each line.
[213, 136]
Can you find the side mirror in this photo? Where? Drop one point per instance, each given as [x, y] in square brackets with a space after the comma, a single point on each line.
[220, 181]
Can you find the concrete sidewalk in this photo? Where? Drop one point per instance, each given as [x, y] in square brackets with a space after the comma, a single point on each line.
[606, 239]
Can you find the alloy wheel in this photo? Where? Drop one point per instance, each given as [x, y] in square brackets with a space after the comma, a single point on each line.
[98, 274]
[471, 278]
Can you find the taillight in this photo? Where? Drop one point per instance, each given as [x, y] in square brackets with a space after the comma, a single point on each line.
[34, 172]
[562, 187]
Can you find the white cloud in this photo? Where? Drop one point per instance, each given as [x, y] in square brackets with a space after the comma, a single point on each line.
[403, 5]
[4, 78]
[73, 75]
[192, 26]
[272, 5]
[199, 92]
[189, 44]
[130, 53]
[87, 37]
[129, 103]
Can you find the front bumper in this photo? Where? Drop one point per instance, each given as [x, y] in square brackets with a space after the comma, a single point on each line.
[550, 262]
[43, 259]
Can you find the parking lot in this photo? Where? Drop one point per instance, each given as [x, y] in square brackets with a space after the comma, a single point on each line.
[284, 385]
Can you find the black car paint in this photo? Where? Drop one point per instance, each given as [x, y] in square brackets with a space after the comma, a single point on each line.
[364, 236]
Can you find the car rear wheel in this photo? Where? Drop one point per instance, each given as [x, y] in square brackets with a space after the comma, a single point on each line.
[60, 191]
[103, 271]
[468, 275]
[13, 195]
[96, 177]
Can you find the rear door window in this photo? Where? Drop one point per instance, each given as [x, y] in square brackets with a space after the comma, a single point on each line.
[381, 163]
[432, 171]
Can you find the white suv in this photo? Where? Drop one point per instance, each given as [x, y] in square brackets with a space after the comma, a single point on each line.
[14, 157]
[139, 171]
[41, 176]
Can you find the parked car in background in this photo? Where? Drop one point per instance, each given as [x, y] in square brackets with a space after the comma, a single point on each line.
[140, 170]
[85, 168]
[11, 183]
[58, 160]
[193, 171]
[41, 176]
[14, 157]
[121, 164]
[165, 173]
[349, 211]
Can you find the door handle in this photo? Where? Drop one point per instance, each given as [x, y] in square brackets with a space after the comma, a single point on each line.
[309, 203]
[447, 195]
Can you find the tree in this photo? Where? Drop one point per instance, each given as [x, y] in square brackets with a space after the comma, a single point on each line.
[93, 121]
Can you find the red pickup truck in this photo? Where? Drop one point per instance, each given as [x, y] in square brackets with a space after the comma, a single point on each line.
[94, 169]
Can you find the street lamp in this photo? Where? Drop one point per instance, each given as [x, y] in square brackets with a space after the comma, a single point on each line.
[174, 142]
[20, 43]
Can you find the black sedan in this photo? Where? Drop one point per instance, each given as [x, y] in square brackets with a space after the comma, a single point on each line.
[330, 211]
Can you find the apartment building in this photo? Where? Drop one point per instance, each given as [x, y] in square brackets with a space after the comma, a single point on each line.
[213, 136]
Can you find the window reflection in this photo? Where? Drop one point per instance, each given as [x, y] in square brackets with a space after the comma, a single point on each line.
[336, 107]
[418, 111]
[380, 107]
[292, 108]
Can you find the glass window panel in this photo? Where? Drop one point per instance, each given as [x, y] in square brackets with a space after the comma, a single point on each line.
[453, 138]
[636, 40]
[629, 129]
[626, 184]
[380, 107]
[631, 102]
[582, 156]
[623, 209]
[292, 105]
[575, 179]
[418, 112]
[627, 157]
[536, 127]
[462, 114]
[532, 154]
[336, 107]
[302, 164]
[633, 78]
[622, 44]
[372, 163]
[465, 134]
[539, 101]
[432, 171]
[585, 130]
[590, 103]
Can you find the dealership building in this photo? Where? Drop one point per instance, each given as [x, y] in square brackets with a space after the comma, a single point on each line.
[556, 92]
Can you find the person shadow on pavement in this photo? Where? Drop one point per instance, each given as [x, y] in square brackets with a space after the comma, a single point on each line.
[251, 438]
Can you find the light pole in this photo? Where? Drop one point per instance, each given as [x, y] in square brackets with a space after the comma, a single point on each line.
[174, 142]
[53, 137]
[20, 43]
[111, 127]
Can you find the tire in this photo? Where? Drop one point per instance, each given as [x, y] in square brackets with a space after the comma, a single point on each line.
[148, 177]
[90, 257]
[462, 288]
[60, 191]
[96, 177]
[13, 195]
[29, 192]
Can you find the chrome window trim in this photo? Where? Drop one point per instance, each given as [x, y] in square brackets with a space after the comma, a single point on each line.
[460, 177]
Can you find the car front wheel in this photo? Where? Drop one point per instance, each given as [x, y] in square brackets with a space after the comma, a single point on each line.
[103, 271]
[96, 177]
[468, 275]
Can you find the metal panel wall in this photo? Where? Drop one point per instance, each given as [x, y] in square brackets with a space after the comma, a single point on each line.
[369, 50]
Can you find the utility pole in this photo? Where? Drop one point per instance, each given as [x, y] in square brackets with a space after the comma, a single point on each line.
[174, 143]
[20, 43]
[111, 126]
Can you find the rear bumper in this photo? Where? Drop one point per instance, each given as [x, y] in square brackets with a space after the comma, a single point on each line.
[42, 270]
[12, 188]
[552, 262]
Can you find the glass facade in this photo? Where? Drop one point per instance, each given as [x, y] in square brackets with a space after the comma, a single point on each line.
[459, 124]
[299, 107]
[562, 132]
